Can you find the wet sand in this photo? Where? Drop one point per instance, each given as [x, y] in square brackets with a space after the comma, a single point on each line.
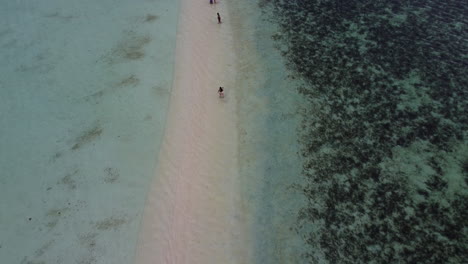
[193, 213]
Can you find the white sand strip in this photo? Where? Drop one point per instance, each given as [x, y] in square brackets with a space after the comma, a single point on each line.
[193, 213]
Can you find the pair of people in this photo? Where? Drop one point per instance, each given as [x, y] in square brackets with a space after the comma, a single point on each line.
[219, 17]
[220, 90]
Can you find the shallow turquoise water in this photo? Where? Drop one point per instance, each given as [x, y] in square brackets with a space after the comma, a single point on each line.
[84, 88]
[269, 152]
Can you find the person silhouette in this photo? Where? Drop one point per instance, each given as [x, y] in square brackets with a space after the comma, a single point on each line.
[219, 18]
[221, 92]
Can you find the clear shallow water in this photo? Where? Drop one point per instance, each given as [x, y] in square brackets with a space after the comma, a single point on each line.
[269, 152]
[84, 88]
[382, 134]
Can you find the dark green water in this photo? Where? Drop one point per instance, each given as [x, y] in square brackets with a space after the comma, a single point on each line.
[383, 134]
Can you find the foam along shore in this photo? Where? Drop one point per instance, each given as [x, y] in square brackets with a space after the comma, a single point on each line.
[192, 214]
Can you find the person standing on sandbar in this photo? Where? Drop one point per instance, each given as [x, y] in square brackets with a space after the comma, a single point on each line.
[221, 92]
[219, 18]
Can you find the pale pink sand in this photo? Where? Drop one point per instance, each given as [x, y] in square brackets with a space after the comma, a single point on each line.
[193, 212]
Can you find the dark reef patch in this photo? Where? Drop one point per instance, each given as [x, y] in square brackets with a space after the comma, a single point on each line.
[129, 49]
[88, 240]
[111, 175]
[56, 156]
[53, 217]
[87, 137]
[131, 80]
[151, 18]
[60, 17]
[26, 260]
[148, 117]
[160, 91]
[44, 248]
[96, 97]
[110, 223]
[385, 130]
[69, 181]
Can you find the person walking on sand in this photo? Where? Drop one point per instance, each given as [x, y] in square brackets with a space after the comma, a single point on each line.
[211, 2]
[221, 92]
[219, 18]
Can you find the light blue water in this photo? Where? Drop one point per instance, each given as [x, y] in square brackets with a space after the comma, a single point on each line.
[84, 88]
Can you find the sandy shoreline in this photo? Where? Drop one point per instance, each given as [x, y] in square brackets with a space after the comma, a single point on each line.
[192, 213]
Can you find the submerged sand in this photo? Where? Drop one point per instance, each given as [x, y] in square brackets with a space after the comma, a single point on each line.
[193, 212]
[84, 92]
